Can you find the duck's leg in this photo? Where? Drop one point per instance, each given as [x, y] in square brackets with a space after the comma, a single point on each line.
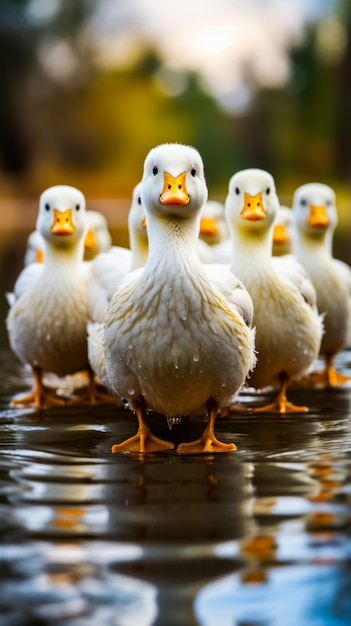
[329, 377]
[208, 442]
[226, 411]
[38, 397]
[92, 395]
[144, 441]
[281, 404]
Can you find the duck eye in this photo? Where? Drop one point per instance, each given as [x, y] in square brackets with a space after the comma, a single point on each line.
[237, 190]
[47, 207]
[77, 207]
[154, 170]
[329, 203]
[303, 202]
[139, 200]
[267, 190]
[193, 171]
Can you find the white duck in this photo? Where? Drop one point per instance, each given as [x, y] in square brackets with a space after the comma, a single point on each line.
[213, 230]
[213, 224]
[315, 219]
[108, 268]
[288, 327]
[173, 341]
[47, 319]
[98, 237]
[138, 239]
[282, 232]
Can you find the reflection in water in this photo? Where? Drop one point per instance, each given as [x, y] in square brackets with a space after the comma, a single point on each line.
[259, 537]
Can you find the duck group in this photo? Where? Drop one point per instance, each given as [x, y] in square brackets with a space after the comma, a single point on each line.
[163, 327]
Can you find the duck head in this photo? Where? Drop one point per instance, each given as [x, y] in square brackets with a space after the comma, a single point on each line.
[97, 238]
[62, 218]
[314, 210]
[213, 225]
[136, 215]
[282, 232]
[252, 203]
[173, 182]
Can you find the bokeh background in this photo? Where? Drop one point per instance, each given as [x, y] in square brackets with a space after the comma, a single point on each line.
[88, 87]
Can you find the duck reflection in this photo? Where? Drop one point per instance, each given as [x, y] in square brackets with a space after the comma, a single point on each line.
[328, 513]
[185, 509]
[174, 513]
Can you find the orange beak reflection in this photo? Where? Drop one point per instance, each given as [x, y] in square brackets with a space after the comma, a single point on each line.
[253, 208]
[62, 223]
[174, 191]
[143, 222]
[318, 217]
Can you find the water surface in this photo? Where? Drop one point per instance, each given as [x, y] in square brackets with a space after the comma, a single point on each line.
[258, 537]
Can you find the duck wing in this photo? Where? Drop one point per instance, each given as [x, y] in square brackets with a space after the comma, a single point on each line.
[106, 272]
[232, 289]
[292, 270]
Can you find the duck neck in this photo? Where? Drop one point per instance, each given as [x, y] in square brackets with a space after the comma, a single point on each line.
[139, 246]
[307, 245]
[166, 235]
[250, 247]
[62, 256]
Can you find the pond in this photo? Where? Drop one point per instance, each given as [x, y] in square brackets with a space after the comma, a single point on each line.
[260, 536]
[257, 537]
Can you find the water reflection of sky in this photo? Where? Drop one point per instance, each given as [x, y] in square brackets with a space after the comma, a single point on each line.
[306, 594]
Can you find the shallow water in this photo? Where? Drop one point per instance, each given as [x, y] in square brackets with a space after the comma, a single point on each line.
[258, 537]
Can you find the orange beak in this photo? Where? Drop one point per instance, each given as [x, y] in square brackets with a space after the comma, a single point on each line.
[143, 222]
[174, 191]
[280, 235]
[90, 241]
[253, 208]
[62, 224]
[318, 217]
[39, 256]
[208, 226]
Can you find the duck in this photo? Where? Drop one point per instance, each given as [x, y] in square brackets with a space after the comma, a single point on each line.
[97, 240]
[98, 237]
[34, 252]
[282, 232]
[137, 230]
[315, 219]
[213, 225]
[288, 325]
[107, 270]
[48, 312]
[213, 230]
[109, 267]
[174, 340]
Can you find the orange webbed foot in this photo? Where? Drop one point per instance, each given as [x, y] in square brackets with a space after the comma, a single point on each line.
[328, 378]
[205, 444]
[38, 401]
[143, 442]
[281, 404]
[281, 407]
